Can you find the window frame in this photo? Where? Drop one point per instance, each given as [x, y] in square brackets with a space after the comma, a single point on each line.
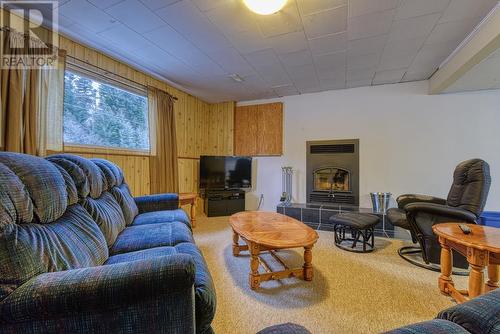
[96, 74]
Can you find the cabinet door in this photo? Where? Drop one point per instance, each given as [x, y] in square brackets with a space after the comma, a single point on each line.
[245, 130]
[270, 129]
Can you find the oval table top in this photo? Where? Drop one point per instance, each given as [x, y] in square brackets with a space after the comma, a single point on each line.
[272, 229]
[481, 237]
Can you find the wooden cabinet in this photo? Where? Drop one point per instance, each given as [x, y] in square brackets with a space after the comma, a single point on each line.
[258, 130]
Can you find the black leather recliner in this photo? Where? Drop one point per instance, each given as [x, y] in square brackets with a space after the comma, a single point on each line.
[418, 213]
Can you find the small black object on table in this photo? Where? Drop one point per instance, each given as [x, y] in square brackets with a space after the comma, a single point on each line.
[356, 228]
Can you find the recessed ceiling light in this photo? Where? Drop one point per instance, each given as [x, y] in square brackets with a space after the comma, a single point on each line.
[265, 7]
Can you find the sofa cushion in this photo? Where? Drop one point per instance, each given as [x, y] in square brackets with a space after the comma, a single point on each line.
[126, 201]
[75, 172]
[135, 238]
[108, 215]
[205, 299]
[15, 203]
[42, 183]
[480, 315]
[97, 182]
[165, 216]
[26, 250]
[436, 326]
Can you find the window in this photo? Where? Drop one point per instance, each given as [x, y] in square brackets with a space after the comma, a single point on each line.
[99, 113]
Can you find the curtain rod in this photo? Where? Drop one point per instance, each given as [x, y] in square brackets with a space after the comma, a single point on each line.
[114, 74]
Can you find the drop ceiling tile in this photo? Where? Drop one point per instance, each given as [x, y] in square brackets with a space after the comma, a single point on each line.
[206, 5]
[102, 4]
[334, 75]
[249, 42]
[333, 84]
[363, 7]
[310, 89]
[275, 76]
[412, 8]
[94, 19]
[367, 45]
[233, 18]
[431, 56]
[171, 41]
[391, 62]
[360, 75]
[452, 31]
[412, 28]
[285, 21]
[157, 4]
[304, 76]
[390, 76]
[326, 22]
[288, 43]
[370, 25]
[135, 15]
[230, 60]
[359, 83]
[464, 9]
[262, 58]
[191, 23]
[417, 75]
[286, 90]
[328, 44]
[360, 62]
[308, 7]
[330, 62]
[124, 38]
[403, 47]
[298, 58]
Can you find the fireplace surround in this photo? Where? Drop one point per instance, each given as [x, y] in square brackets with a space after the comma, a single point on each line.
[333, 171]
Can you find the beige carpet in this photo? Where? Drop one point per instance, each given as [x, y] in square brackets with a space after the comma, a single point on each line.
[351, 293]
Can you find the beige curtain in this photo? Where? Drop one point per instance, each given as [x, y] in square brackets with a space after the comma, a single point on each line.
[50, 129]
[19, 99]
[163, 162]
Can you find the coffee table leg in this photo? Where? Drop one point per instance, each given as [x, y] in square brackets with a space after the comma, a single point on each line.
[254, 277]
[476, 281]
[308, 269]
[193, 213]
[236, 248]
[493, 275]
[446, 266]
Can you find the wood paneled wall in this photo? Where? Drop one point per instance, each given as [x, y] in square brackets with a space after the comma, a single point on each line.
[202, 128]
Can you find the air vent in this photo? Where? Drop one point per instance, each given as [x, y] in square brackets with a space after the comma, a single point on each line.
[326, 198]
[337, 148]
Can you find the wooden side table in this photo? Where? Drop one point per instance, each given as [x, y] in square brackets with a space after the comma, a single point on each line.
[481, 248]
[189, 198]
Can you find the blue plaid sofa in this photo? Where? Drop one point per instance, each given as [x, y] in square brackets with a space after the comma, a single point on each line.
[79, 254]
[480, 315]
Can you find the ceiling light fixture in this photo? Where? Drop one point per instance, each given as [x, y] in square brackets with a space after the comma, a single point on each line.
[236, 77]
[265, 7]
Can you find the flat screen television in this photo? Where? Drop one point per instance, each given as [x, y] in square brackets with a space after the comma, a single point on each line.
[222, 172]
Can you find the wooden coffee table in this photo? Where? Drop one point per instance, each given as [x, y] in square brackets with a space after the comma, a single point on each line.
[189, 198]
[481, 248]
[268, 232]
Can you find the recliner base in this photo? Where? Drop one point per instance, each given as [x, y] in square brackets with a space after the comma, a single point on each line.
[405, 251]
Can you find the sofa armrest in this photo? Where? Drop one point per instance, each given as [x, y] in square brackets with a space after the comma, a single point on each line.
[443, 211]
[100, 289]
[478, 315]
[157, 202]
[404, 200]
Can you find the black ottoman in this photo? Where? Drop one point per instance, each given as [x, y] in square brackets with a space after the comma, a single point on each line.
[355, 227]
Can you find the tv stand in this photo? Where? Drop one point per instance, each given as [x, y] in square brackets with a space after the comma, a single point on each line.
[224, 202]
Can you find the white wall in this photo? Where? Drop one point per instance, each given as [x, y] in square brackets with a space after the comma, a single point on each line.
[410, 142]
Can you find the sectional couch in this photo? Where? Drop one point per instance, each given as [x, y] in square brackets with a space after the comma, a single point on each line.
[79, 254]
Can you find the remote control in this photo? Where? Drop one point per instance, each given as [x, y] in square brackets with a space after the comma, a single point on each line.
[464, 228]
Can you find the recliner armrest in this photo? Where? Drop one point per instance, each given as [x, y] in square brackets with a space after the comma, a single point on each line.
[157, 202]
[100, 289]
[404, 200]
[441, 210]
